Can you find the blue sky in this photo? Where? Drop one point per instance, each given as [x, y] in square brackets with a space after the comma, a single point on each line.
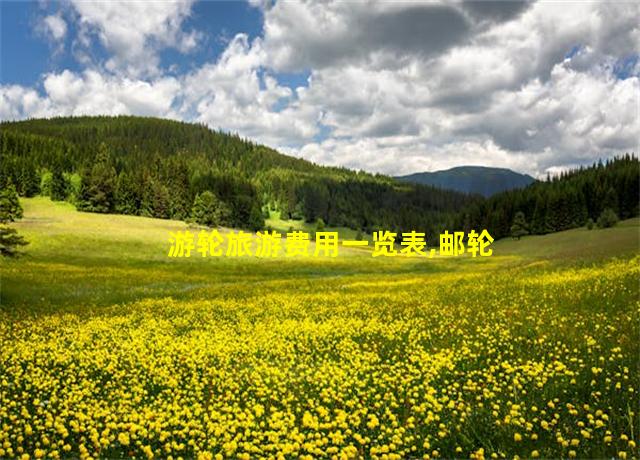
[26, 54]
[382, 86]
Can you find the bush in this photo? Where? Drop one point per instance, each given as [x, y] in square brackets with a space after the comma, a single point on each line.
[608, 218]
[519, 227]
[45, 183]
[590, 224]
[209, 210]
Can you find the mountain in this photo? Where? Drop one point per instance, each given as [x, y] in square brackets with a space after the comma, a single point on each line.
[571, 199]
[472, 179]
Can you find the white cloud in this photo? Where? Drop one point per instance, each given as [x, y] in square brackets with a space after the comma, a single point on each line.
[579, 116]
[90, 93]
[404, 155]
[300, 35]
[18, 102]
[399, 86]
[505, 96]
[134, 32]
[233, 93]
[236, 94]
[55, 25]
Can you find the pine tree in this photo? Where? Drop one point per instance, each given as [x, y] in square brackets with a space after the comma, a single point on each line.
[160, 201]
[519, 227]
[178, 184]
[10, 241]
[610, 200]
[97, 191]
[29, 180]
[608, 218]
[256, 219]
[539, 216]
[146, 198]
[10, 210]
[209, 210]
[127, 199]
[59, 185]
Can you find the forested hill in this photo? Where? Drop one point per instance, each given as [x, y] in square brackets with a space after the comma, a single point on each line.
[600, 193]
[133, 137]
[472, 179]
[171, 169]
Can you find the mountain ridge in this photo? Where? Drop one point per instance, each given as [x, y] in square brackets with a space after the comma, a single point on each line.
[481, 180]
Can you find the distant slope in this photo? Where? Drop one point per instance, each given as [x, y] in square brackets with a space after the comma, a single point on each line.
[563, 202]
[472, 179]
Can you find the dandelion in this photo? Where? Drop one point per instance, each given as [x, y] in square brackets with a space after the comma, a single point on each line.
[123, 438]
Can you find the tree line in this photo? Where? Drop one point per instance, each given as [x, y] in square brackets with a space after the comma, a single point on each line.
[169, 169]
[175, 170]
[571, 199]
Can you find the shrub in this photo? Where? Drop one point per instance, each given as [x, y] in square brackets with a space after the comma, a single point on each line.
[608, 218]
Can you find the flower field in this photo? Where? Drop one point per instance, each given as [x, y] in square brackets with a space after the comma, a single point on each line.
[511, 358]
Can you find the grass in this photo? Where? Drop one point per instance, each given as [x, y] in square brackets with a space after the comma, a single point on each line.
[284, 225]
[90, 259]
[578, 244]
[111, 349]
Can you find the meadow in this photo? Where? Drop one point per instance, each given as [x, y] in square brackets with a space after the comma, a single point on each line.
[111, 349]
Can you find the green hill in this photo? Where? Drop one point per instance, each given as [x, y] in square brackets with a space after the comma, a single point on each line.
[158, 168]
[570, 200]
[173, 170]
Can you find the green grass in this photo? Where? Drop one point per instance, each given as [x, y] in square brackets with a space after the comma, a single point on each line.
[87, 259]
[534, 349]
[79, 259]
[578, 244]
[284, 225]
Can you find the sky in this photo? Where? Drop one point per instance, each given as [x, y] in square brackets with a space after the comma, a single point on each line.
[390, 87]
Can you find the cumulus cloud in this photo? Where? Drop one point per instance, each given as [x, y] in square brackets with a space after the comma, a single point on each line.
[532, 87]
[316, 35]
[573, 113]
[235, 94]
[134, 32]
[403, 155]
[55, 26]
[18, 102]
[393, 87]
[90, 93]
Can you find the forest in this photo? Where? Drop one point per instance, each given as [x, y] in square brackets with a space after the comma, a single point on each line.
[575, 198]
[176, 170]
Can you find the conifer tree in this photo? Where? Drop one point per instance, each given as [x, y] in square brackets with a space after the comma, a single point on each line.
[10, 210]
[97, 192]
[209, 210]
[127, 198]
[59, 185]
[519, 227]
